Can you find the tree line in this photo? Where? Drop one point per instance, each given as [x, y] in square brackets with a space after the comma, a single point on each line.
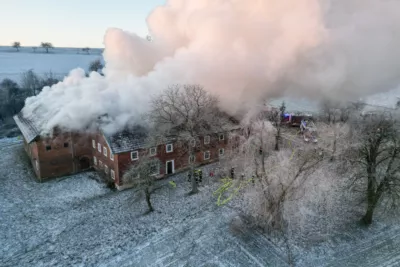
[277, 175]
[13, 94]
[46, 46]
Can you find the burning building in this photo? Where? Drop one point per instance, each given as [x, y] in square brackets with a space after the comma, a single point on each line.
[60, 154]
[66, 153]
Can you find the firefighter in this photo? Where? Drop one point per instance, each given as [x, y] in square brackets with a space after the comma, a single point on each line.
[200, 175]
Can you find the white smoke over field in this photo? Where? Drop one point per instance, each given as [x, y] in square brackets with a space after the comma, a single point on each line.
[243, 51]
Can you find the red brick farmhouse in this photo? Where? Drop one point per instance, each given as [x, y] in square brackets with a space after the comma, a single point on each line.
[69, 153]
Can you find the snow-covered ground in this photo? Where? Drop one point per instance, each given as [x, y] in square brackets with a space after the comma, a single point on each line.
[74, 221]
[59, 61]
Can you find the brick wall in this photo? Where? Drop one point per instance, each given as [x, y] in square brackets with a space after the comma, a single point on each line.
[102, 162]
[59, 155]
[55, 159]
[179, 155]
[32, 151]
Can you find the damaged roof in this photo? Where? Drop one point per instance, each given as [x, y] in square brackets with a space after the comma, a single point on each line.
[127, 140]
[27, 127]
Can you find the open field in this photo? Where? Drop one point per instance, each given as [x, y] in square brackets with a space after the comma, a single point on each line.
[59, 61]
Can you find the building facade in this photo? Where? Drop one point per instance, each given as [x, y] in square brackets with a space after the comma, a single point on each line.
[113, 155]
[57, 155]
[69, 153]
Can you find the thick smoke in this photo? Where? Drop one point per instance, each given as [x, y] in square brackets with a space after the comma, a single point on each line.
[243, 51]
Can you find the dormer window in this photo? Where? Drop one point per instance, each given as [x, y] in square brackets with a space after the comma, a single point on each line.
[206, 139]
[134, 155]
[169, 148]
[153, 151]
[193, 142]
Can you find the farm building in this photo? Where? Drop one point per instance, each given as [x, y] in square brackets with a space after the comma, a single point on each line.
[66, 153]
[61, 154]
[113, 154]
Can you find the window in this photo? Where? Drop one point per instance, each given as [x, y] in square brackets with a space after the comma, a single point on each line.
[99, 147]
[153, 151]
[111, 156]
[106, 169]
[66, 144]
[191, 159]
[206, 155]
[221, 137]
[94, 144]
[155, 169]
[134, 155]
[112, 174]
[193, 142]
[105, 151]
[95, 161]
[221, 152]
[100, 164]
[48, 147]
[169, 148]
[206, 139]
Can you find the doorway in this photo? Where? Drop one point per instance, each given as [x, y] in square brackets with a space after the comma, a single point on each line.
[84, 163]
[170, 167]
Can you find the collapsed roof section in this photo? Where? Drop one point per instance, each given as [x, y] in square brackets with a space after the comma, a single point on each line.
[28, 128]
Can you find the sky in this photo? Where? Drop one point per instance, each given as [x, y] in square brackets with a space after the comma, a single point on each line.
[71, 23]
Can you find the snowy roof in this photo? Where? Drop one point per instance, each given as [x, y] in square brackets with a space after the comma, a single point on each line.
[127, 140]
[27, 127]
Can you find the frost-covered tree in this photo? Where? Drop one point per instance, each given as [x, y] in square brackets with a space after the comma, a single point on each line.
[96, 65]
[49, 79]
[287, 175]
[31, 81]
[374, 151]
[187, 113]
[142, 175]
[12, 99]
[86, 50]
[46, 46]
[259, 142]
[16, 45]
[275, 116]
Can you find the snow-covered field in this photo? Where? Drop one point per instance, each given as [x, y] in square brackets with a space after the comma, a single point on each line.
[59, 60]
[75, 221]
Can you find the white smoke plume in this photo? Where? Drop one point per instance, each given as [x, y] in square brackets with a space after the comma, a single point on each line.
[243, 51]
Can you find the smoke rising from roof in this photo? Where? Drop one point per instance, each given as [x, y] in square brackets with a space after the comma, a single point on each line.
[243, 51]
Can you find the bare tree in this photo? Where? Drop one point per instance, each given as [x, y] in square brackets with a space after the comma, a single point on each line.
[31, 81]
[46, 46]
[142, 175]
[16, 45]
[49, 79]
[375, 152]
[12, 97]
[96, 65]
[276, 116]
[86, 50]
[259, 142]
[186, 113]
[286, 181]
